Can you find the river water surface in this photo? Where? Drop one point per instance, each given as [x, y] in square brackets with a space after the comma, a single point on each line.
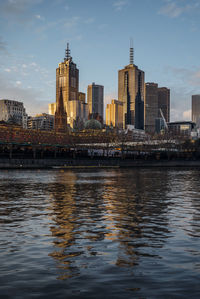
[130, 233]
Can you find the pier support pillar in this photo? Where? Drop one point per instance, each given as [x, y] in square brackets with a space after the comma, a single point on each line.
[10, 152]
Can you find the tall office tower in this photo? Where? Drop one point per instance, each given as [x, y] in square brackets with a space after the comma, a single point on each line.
[164, 102]
[131, 85]
[67, 78]
[95, 99]
[196, 109]
[114, 114]
[151, 107]
[60, 115]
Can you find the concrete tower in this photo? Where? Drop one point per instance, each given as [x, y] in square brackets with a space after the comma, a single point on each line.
[95, 99]
[130, 86]
[67, 78]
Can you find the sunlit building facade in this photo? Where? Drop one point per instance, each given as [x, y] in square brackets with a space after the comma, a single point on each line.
[52, 108]
[67, 79]
[42, 121]
[114, 114]
[13, 112]
[131, 91]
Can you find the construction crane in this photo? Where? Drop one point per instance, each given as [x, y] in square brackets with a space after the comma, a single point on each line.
[165, 123]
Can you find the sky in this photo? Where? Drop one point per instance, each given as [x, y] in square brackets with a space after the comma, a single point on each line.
[34, 35]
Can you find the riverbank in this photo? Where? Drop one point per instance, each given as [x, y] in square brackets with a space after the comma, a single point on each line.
[92, 163]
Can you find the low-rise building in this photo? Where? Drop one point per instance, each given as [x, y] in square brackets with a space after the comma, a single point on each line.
[13, 112]
[42, 121]
[183, 128]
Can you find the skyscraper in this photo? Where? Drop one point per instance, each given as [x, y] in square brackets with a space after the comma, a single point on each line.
[151, 107]
[131, 91]
[114, 114]
[67, 78]
[95, 99]
[164, 102]
[196, 109]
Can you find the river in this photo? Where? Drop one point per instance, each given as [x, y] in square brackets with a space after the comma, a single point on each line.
[113, 233]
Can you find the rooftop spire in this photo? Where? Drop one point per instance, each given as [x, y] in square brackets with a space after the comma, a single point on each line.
[67, 53]
[131, 51]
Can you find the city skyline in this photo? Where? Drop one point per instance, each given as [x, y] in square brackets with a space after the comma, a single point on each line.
[33, 38]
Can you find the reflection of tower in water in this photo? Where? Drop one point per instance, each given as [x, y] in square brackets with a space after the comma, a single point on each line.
[64, 217]
[77, 211]
[131, 215]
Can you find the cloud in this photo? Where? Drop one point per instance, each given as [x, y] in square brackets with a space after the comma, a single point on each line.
[187, 114]
[16, 6]
[119, 4]
[72, 22]
[187, 77]
[17, 83]
[183, 83]
[29, 96]
[173, 10]
[39, 17]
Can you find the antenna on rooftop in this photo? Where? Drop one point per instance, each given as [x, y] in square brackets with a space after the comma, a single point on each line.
[131, 51]
[67, 53]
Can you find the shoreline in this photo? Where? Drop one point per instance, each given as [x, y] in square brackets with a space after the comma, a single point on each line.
[92, 163]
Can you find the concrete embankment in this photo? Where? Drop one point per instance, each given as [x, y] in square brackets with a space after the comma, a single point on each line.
[92, 163]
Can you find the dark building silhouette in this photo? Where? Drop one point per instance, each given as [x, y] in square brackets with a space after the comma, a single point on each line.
[164, 102]
[196, 109]
[151, 107]
[139, 107]
[95, 99]
[60, 115]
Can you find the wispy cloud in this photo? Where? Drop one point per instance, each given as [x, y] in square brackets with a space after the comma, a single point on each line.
[174, 9]
[185, 83]
[187, 114]
[17, 6]
[120, 4]
[31, 97]
[39, 17]
[188, 77]
[72, 22]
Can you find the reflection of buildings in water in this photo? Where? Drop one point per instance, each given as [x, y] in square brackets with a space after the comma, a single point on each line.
[188, 182]
[136, 215]
[76, 211]
[63, 213]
